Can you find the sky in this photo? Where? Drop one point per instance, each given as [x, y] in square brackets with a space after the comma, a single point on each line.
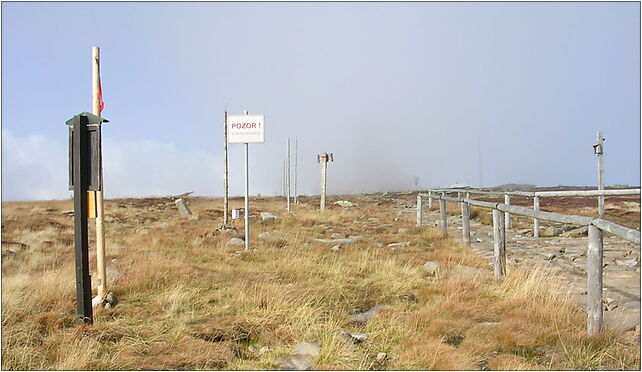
[453, 93]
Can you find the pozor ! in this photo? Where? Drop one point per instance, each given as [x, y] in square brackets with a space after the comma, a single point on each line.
[246, 125]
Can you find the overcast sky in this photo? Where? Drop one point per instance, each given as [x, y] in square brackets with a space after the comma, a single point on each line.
[470, 93]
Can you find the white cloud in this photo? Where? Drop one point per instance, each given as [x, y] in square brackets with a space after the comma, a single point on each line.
[35, 167]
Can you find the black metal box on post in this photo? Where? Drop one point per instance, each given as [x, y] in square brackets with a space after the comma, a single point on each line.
[84, 175]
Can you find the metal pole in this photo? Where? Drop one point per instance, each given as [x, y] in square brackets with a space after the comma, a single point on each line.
[288, 175]
[226, 204]
[499, 245]
[296, 157]
[247, 197]
[594, 285]
[600, 173]
[100, 210]
[324, 174]
[81, 175]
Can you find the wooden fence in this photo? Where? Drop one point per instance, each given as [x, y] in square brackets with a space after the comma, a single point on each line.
[596, 227]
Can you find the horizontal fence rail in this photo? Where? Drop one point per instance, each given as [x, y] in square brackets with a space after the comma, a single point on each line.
[501, 221]
[545, 194]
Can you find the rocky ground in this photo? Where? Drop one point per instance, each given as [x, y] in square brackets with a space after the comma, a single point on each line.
[568, 255]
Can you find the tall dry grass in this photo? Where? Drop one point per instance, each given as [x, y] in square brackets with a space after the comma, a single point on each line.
[188, 300]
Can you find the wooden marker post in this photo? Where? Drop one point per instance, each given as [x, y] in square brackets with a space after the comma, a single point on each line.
[419, 210]
[535, 220]
[429, 200]
[598, 149]
[100, 210]
[442, 214]
[507, 215]
[594, 285]
[465, 222]
[499, 235]
[323, 159]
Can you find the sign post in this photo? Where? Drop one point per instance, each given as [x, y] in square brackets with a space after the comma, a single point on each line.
[598, 149]
[246, 129]
[84, 176]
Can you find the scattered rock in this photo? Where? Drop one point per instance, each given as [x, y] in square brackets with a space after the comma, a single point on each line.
[307, 348]
[268, 217]
[336, 248]
[609, 304]
[381, 357]
[183, 207]
[580, 231]
[236, 241]
[550, 231]
[373, 220]
[403, 230]
[142, 229]
[110, 301]
[524, 231]
[627, 263]
[113, 276]
[336, 236]
[251, 349]
[344, 203]
[265, 236]
[301, 358]
[362, 318]
[549, 256]
[264, 350]
[403, 244]
[378, 244]
[163, 224]
[430, 268]
[355, 337]
[8, 253]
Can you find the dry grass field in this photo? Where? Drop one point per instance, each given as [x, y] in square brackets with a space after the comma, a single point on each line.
[189, 300]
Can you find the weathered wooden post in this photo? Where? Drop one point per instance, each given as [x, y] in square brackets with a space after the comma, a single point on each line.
[465, 222]
[429, 200]
[499, 235]
[97, 107]
[323, 159]
[419, 210]
[506, 214]
[442, 214]
[594, 285]
[535, 220]
[598, 149]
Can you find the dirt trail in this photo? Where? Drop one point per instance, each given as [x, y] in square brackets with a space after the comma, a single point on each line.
[568, 255]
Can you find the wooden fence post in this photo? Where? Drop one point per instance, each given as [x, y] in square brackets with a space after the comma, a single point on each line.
[499, 234]
[429, 200]
[442, 214]
[594, 287]
[419, 210]
[465, 222]
[506, 214]
[535, 220]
